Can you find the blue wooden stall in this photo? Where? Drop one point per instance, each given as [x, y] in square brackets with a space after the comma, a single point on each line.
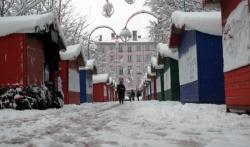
[201, 68]
[86, 85]
[198, 38]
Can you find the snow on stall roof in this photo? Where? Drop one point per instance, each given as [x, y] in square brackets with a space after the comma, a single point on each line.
[100, 78]
[71, 53]
[205, 22]
[25, 24]
[149, 71]
[166, 52]
[154, 61]
[90, 64]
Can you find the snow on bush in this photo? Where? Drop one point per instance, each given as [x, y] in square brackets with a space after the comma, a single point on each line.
[236, 38]
[31, 97]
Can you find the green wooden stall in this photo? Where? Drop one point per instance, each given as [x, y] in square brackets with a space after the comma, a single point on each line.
[167, 72]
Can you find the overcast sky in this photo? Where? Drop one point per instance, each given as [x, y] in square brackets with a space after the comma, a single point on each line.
[93, 10]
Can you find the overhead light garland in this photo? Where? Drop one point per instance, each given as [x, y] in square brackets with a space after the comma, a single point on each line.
[130, 1]
[108, 9]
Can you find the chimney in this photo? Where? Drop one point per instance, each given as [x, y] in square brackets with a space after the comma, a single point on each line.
[134, 35]
[100, 38]
[112, 36]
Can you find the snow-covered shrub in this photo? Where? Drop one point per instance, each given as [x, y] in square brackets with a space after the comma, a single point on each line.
[31, 97]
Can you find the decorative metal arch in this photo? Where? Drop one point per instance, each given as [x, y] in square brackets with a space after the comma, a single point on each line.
[99, 27]
[141, 12]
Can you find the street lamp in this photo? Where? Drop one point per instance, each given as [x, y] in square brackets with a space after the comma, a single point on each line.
[99, 27]
[108, 9]
[125, 34]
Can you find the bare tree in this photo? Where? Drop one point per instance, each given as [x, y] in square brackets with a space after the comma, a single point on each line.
[73, 23]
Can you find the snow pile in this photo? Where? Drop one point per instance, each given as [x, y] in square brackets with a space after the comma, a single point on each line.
[205, 22]
[137, 124]
[71, 53]
[236, 38]
[166, 52]
[154, 61]
[100, 78]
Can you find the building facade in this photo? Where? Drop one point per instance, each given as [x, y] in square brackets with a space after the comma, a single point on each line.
[125, 60]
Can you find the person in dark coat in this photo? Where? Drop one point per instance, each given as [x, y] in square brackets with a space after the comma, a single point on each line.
[121, 92]
[133, 95]
[138, 94]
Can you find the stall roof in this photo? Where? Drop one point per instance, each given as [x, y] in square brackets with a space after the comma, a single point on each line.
[100, 78]
[72, 52]
[154, 61]
[29, 24]
[205, 22]
[164, 51]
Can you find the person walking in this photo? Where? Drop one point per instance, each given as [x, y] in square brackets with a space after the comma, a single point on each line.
[121, 92]
[138, 94]
[133, 95]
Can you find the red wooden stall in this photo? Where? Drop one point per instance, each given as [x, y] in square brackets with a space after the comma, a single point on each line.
[100, 92]
[29, 58]
[237, 79]
[71, 60]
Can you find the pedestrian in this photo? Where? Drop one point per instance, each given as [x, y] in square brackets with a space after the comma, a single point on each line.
[138, 94]
[121, 92]
[133, 95]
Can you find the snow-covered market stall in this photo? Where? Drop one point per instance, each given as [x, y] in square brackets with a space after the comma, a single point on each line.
[236, 53]
[152, 77]
[100, 90]
[197, 37]
[86, 81]
[29, 55]
[167, 73]
[72, 59]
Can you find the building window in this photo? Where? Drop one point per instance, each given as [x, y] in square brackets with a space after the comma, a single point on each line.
[147, 47]
[111, 58]
[120, 48]
[129, 69]
[129, 58]
[138, 58]
[112, 47]
[138, 47]
[147, 58]
[129, 48]
[120, 70]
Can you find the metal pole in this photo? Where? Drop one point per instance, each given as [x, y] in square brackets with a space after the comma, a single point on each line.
[59, 11]
[184, 5]
[107, 27]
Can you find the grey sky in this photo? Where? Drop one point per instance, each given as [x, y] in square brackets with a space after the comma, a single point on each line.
[93, 10]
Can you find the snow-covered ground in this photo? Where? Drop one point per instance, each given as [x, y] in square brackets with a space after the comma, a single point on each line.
[133, 124]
